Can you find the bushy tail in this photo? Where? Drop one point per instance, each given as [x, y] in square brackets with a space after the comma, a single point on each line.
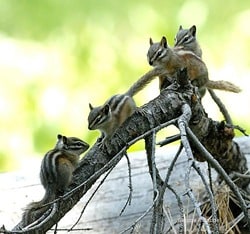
[143, 82]
[223, 85]
[35, 209]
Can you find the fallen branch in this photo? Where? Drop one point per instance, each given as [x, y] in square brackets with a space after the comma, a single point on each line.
[204, 134]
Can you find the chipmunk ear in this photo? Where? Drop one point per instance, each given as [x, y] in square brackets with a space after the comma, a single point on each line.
[164, 42]
[59, 137]
[193, 30]
[180, 28]
[151, 41]
[106, 109]
[64, 138]
[59, 143]
[90, 106]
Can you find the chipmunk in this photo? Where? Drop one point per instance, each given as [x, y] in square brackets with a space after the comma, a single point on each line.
[161, 55]
[56, 171]
[109, 116]
[185, 39]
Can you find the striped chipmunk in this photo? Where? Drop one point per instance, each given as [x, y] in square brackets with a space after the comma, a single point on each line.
[56, 173]
[161, 55]
[186, 40]
[109, 116]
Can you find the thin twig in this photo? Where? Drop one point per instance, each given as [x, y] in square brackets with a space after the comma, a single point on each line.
[169, 140]
[211, 198]
[128, 202]
[245, 175]
[168, 215]
[75, 230]
[172, 164]
[142, 216]
[91, 197]
[155, 177]
[242, 130]
[180, 204]
[221, 106]
[210, 177]
[153, 165]
[55, 230]
[182, 123]
[166, 185]
[156, 220]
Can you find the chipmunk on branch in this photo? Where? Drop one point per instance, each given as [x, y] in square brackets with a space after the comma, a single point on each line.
[165, 57]
[108, 117]
[56, 174]
[185, 39]
[111, 115]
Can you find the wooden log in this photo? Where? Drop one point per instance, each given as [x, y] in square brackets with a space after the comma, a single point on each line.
[102, 215]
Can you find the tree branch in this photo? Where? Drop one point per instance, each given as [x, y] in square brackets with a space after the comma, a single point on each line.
[163, 111]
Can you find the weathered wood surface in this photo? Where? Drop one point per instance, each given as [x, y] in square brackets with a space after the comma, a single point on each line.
[102, 214]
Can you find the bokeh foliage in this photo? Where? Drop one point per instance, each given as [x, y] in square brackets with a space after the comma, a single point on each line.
[57, 56]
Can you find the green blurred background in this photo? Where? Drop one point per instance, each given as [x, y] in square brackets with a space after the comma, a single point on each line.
[57, 56]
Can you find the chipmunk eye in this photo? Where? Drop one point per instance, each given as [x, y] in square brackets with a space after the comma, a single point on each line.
[186, 38]
[159, 52]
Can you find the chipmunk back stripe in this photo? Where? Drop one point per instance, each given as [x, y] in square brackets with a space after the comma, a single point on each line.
[49, 169]
[44, 173]
[111, 115]
[116, 102]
